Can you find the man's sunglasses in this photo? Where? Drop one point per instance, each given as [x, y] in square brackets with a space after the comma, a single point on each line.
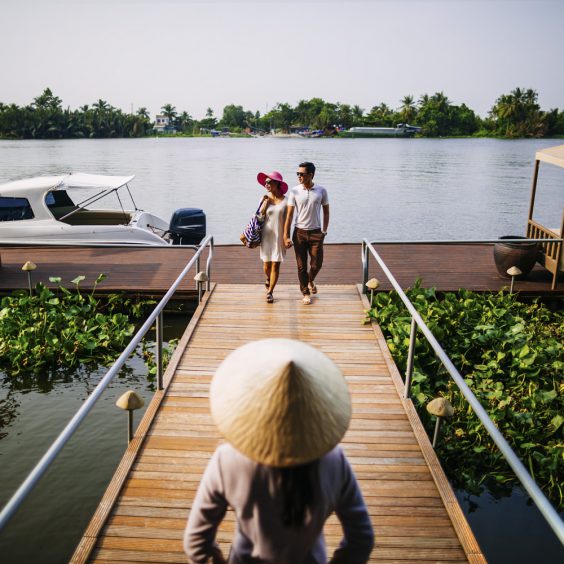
[301, 173]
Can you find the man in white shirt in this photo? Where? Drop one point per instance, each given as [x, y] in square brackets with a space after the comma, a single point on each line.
[308, 199]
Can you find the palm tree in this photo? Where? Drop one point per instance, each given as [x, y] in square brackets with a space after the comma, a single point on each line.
[47, 101]
[101, 105]
[441, 101]
[518, 114]
[423, 100]
[408, 109]
[185, 122]
[357, 115]
[169, 111]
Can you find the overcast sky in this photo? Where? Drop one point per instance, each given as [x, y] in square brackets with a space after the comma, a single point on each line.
[199, 54]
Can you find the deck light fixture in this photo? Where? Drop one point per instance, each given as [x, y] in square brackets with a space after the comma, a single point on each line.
[439, 407]
[372, 284]
[130, 401]
[201, 278]
[29, 267]
[513, 272]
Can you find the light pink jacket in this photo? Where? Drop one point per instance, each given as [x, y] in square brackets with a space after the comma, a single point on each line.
[232, 479]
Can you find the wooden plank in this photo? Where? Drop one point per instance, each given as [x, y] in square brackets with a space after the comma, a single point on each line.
[406, 493]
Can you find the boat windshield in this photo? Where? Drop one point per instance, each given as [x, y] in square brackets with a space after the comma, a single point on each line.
[59, 203]
[66, 210]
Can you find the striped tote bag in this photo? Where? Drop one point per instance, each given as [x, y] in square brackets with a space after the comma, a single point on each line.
[252, 233]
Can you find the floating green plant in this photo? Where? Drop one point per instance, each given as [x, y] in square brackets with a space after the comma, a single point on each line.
[55, 328]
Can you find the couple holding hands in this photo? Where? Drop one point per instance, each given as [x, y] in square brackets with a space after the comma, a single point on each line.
[305, 201]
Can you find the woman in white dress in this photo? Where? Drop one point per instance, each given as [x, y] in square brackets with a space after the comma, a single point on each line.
[273, 208]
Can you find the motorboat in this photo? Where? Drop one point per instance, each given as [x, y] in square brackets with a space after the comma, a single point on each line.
[63, 210]
[402, 130]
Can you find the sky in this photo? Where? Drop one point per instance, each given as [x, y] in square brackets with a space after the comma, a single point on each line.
[199, 54]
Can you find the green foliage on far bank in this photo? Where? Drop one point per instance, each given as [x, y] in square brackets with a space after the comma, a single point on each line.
[511, 355]
[58, 328]
[512, 115]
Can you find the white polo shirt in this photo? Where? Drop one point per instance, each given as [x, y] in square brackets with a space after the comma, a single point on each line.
[307, 204]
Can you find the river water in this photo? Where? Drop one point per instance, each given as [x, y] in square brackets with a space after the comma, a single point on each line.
[382, 189]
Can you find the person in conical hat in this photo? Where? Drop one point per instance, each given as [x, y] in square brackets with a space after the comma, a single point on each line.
[283, 407]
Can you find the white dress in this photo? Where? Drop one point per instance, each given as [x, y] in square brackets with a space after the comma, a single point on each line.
[272, 247]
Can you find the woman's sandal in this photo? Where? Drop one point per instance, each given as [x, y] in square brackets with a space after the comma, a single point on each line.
[269, 298]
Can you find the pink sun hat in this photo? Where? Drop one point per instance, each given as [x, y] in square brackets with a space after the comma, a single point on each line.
[274, 175]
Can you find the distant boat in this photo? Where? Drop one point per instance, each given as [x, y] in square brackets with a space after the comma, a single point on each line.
[402, 130]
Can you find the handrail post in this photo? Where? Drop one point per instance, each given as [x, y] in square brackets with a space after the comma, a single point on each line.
[365, 257]
[208, 264]
[159, 353]
[198, 270]
[410, 355]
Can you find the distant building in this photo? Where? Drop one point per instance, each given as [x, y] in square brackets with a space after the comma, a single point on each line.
[163, 125]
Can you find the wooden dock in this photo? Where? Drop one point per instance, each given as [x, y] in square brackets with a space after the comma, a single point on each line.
[415, 514]
[152, 270]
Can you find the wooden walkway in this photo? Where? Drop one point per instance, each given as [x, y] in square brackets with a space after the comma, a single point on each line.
[415, 514]
[152, 270]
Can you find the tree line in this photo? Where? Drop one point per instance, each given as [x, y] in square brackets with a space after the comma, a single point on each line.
[513, 115]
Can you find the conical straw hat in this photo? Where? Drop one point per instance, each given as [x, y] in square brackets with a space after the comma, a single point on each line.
[280, 402]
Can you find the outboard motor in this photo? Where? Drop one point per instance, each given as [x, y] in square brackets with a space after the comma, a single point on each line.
[187, 226]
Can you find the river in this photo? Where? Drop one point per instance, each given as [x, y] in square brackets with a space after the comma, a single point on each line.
[382, 189]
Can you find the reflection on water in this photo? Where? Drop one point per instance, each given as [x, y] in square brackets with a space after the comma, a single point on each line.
[383, 189]
[510, 529]
[8, 413]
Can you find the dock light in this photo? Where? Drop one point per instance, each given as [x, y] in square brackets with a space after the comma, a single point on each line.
[513, 272]
[439, 407]
[29, 267]
[130, 401]
[372, 284]
[201, 278]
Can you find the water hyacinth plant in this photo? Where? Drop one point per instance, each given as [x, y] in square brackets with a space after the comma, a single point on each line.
[511, 354]
[55, 328]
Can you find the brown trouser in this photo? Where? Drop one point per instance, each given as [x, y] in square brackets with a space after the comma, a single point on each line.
[308, 242]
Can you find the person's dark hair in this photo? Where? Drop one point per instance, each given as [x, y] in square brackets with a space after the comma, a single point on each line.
[297, 484]
[310, 167]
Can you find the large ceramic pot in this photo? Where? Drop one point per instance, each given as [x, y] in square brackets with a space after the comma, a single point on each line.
[522, 255]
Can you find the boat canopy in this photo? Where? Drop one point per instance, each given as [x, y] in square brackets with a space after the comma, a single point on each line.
[82, 180]
[66, 182]
[552, 155]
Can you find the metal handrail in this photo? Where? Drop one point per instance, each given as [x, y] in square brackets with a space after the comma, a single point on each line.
[544, 506]
[35, 475]
[466, 242]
